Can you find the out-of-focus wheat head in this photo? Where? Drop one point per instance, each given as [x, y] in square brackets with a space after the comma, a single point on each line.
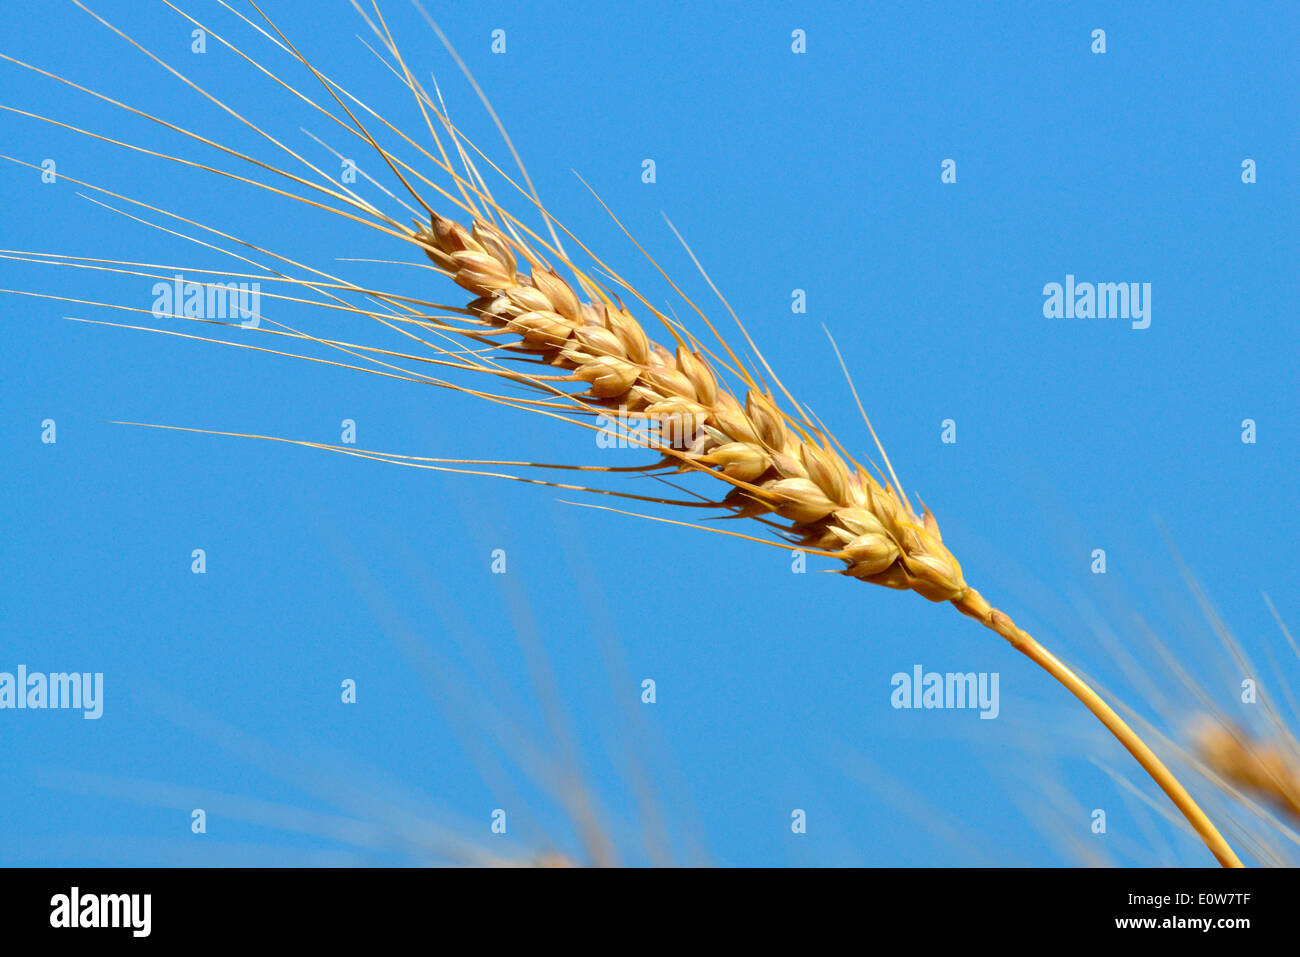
[1267, 769]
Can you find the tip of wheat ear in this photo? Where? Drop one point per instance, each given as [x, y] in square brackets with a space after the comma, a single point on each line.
[773, 464]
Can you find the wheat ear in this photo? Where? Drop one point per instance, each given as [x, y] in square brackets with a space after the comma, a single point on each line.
[774, 463]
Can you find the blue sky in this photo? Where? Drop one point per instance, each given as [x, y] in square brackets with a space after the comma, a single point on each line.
[818, 171]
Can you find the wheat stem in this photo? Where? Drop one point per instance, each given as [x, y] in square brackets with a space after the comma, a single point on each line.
[976, 606]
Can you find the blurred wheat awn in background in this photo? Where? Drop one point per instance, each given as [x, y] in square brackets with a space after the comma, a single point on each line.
[537, 771]
[573, 352]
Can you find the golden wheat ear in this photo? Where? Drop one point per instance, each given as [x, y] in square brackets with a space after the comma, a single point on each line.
[775, 464]
[574, 342]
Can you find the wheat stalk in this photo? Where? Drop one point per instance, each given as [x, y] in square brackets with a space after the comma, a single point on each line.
[781, 468]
